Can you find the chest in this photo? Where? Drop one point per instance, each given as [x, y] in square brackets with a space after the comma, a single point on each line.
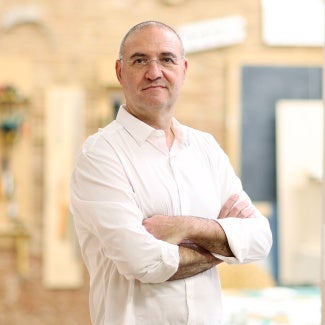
[179, 183]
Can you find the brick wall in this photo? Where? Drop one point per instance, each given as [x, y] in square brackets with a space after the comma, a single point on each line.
[72, 41]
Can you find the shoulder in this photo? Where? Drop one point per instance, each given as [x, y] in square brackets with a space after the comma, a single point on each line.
[201, 138]
[98, 143]
[102, 136]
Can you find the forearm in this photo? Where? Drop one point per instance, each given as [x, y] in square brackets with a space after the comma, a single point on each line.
[208, 234]
[193, 260]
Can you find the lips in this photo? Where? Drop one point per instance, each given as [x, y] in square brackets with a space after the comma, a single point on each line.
[153, 87]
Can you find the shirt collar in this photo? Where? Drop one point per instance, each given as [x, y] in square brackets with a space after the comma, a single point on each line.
[141, 131]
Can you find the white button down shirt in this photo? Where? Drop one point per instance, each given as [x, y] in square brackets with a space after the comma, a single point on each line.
[125, 173]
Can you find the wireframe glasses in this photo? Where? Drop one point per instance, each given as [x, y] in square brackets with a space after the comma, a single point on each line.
[168, 62]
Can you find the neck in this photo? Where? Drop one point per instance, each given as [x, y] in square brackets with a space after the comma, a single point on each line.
[170, 137]
[158, 121]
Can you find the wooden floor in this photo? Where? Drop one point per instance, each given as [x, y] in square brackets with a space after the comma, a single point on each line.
[26, 301]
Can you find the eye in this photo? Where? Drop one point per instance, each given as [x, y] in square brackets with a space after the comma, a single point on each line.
[167, 60]
[140, 61]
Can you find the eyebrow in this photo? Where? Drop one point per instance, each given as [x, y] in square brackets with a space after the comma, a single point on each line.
[163, 54]
[137, 55]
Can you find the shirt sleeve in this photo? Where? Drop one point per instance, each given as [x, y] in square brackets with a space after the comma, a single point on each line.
[103, 206]
[250, 239]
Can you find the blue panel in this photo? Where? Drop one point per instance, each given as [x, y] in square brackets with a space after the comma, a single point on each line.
[262, 87]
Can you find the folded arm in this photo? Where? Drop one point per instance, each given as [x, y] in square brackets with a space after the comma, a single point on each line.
[198, 238]
[193, 260]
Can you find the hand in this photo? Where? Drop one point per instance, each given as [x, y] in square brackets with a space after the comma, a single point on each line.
[237, 207]
[165, 228]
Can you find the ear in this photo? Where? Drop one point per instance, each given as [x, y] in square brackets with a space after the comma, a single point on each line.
[185, 67]
[118, 70]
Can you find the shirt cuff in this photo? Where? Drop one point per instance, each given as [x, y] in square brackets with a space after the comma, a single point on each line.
[238, 240]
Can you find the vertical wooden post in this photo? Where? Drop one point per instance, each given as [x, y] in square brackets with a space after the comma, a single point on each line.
[62, 266]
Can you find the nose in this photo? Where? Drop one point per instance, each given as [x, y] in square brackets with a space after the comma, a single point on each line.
[153, 70]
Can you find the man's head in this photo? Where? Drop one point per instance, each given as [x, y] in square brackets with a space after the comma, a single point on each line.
[143, 25]
[151, 68]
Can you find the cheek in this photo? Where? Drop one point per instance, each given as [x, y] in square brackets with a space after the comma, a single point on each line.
[130, 81]
[177, 83]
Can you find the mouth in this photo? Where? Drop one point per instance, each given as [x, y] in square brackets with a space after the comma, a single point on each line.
[154, 87]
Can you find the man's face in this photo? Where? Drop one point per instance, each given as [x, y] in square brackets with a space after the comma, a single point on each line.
[152, 70]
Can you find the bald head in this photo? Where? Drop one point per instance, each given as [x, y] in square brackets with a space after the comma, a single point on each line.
[144, 25]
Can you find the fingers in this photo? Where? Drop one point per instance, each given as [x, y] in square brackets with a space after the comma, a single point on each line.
[242, 210]
[224, 212]
[237, 207]
[247, 213]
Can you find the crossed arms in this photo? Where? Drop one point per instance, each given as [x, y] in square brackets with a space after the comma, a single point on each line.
[198, 238]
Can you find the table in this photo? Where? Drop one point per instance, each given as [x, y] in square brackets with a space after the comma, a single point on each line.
[273, 306]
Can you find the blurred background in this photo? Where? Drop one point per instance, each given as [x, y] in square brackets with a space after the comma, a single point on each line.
[254, 82]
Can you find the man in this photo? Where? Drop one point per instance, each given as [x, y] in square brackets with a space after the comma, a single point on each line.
[156, 204]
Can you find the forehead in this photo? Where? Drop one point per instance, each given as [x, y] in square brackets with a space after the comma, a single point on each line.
[152, 40]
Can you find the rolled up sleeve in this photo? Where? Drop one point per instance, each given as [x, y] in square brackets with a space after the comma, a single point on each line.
[250, 239]
[109, 223]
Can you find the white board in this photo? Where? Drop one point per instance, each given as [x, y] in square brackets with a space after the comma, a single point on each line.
[299, 143]
[293, 22]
